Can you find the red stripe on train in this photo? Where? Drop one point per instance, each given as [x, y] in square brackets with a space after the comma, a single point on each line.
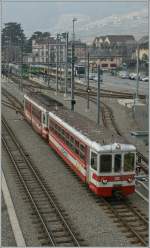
[68, 162]
[68, 150]
[113, 178]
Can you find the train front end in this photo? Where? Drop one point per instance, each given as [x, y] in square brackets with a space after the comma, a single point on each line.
[112, 169]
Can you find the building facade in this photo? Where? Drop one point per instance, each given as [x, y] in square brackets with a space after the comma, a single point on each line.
[106, 59]
[52, 50]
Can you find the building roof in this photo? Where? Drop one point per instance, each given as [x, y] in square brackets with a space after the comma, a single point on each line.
[144, 39]
[120, 38]
[117, 38]
[97, 52]
[144, 42]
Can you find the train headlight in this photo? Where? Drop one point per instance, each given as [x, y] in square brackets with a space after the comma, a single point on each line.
[130, 180]
[104, 181]
[118, 146]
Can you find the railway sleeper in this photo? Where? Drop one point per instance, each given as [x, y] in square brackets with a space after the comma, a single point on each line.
[43, 237]
[65, 244]
[61, 234]
[57, 229]
[60, 240]
[135, 241]
[130, 219]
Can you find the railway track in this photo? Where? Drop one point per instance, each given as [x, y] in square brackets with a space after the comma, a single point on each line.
[142, 189]
[107, 93]
[130, 219]
[55, 224]
[93, 92]
[108, 121]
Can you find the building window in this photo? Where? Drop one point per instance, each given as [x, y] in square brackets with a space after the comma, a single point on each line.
[104, 65]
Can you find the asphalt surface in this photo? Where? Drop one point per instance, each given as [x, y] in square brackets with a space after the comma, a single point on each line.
[117, 83]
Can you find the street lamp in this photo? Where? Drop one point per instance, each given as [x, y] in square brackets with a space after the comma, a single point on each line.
[65, 36]
[137, 72]
[73, 34]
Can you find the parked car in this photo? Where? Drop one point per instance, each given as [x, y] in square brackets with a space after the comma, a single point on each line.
[123, 74]
[133, 76]
[92, 75]
[145, 79]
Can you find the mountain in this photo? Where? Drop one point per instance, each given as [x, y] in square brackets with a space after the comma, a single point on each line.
[135, 23]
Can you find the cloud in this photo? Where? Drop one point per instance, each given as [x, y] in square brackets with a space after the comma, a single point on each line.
[135, 22]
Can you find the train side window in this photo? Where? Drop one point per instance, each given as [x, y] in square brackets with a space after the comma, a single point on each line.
[106, 163]
[117, 163]
[76, 147]
[44, 118]
[94, 161]
[82, 147]
[129, 159]
[77, 143]
[82, 155]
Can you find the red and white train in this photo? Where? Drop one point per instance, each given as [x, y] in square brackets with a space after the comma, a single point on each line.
[105, 166]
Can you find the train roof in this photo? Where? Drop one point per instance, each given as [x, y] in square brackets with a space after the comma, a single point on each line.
[100, 139]
[45, 102]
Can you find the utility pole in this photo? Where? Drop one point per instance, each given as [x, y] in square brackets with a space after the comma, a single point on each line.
[60, 61]
[57, 64]
[21, 79]
[88, 89]
[48, 62]
[72, 68]
[137, 71]
[98, 97]
[66, 63]
[72, 79]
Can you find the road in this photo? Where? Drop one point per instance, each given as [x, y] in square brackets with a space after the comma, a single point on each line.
[116, 83]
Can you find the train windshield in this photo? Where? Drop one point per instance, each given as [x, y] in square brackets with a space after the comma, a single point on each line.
[129, 160]
[106, 163]
[117, 162]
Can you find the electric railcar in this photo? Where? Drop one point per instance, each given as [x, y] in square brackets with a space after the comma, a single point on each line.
[104, 165]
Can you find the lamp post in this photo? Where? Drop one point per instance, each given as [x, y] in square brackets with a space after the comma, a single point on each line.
[66, 36]
[57, 64]
[98, 96]
[137, 72]
[72, 67]
[87, 78]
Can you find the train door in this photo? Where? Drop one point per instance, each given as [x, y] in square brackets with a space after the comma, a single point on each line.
[93, 168]
[44, 119]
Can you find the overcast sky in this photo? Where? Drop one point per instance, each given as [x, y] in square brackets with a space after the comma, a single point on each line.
[45, 16]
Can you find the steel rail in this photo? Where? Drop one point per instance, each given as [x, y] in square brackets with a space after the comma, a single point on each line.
[127, 225]
[75, 241]
[142, 196]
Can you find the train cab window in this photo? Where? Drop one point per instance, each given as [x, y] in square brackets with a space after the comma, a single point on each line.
[106, 163]
[117, 163]
[129, 159]
[94, 161]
